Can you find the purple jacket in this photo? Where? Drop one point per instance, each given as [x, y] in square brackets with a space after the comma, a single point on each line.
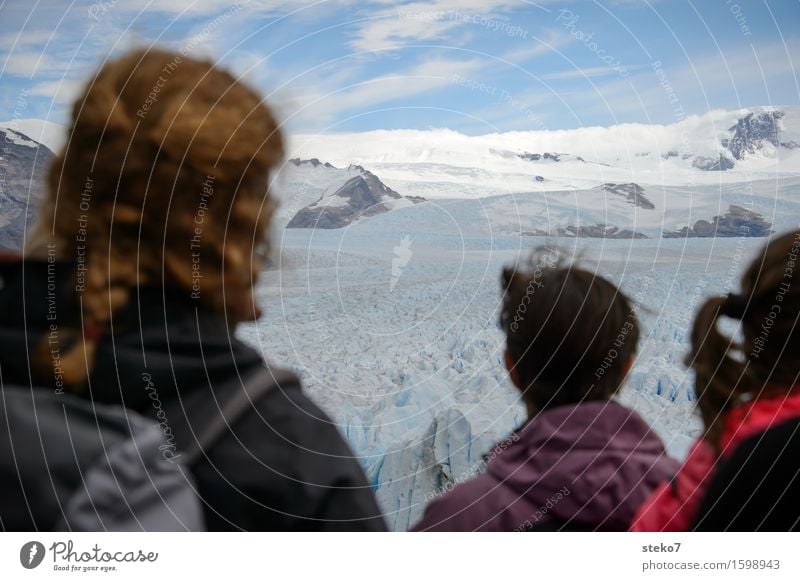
[584, 467]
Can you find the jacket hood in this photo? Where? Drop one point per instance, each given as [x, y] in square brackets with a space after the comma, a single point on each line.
[589, 463]
[162, 342]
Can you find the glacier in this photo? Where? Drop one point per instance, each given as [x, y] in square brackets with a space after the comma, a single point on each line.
[408, 360]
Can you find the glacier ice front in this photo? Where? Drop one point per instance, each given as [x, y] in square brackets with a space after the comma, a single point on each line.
[412, 373]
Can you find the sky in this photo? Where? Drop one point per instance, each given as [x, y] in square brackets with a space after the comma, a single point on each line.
[473, 66]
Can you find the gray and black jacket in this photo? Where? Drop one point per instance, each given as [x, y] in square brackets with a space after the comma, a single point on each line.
[282, 466]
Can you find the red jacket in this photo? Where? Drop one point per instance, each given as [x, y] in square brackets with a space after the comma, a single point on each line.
[673, 505]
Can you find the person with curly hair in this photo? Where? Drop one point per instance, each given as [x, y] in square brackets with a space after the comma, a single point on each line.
[140, 267]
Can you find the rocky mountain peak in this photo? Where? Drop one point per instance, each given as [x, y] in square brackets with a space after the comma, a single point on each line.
[736, 222]
[633, 193]
[313, 162]
[752, 131]
[547, 156]
[361, 196]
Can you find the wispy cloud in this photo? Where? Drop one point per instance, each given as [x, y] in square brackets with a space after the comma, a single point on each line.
[551, 42]
[63, 91]
[590, 72]
[414, 22]
[734, 75]
[361, 97]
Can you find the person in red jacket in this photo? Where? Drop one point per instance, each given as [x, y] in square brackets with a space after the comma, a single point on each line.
[745, 391]
[581, 461]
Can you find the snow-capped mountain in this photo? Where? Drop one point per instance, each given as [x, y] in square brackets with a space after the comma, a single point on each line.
[23, 166]
[51, 135]
[629, 180]
[755, 131]
[340, 196]
[717, 147]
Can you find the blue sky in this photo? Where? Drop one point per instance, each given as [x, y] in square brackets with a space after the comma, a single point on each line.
[475, 66]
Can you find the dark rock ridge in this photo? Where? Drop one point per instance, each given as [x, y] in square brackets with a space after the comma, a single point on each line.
[23, 167]
[751, 132]
[362, 196]
[737, 222]
[314, 162]
[546, 156]
[711, 164]
[632, 192]
[596, 231]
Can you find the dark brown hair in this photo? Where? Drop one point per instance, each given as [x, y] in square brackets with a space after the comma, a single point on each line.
[166, 166]
[570, 332]
[765, 361]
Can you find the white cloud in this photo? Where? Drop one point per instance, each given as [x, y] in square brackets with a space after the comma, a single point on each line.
[63, 91]
[24, 40]
[552, 42]
[737, 74]
[428, 76]
[424, 21]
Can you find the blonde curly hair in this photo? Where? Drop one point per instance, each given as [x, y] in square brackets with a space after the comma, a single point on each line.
[164, 180]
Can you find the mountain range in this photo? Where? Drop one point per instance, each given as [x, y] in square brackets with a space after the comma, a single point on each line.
[725, 173]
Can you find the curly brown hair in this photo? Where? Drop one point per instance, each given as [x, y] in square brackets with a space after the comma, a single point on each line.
[164, 180]
[570, 332]
[764, 363]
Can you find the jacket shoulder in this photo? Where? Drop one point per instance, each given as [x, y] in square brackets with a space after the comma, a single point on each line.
[470, 506]
[287, 458]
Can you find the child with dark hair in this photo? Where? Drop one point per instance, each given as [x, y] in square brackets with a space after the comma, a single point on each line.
[582, 461]
[744, 472]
